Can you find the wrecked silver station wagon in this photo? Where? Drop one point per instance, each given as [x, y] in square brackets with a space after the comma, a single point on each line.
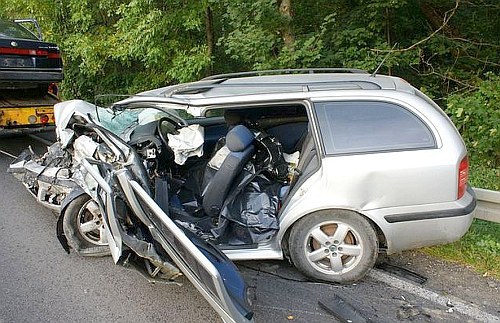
[325, 168]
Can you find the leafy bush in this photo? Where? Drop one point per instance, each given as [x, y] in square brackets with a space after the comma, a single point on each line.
[484, 176]
[477, 117]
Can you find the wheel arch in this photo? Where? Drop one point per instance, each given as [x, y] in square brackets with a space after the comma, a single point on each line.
[284, 239]
[75, 193]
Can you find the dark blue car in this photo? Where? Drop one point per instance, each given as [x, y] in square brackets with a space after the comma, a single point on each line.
[27, 62]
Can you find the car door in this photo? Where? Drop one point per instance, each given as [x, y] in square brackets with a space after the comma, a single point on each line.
[208, 269]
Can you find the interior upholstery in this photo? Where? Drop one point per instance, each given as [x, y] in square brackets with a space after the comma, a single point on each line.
[239, 138]
[218, 182]
[290, 135]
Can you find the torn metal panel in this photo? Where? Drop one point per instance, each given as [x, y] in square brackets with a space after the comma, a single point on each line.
[143, 267]
[164, 269]
[84, 147]
[210, 271]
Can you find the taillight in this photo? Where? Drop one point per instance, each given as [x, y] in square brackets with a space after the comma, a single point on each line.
[23, 51]
[54, 55]
[463, 175]
[29, 52]
[44, 118]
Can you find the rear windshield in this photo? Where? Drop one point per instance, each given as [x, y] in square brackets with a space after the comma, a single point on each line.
[9, 29]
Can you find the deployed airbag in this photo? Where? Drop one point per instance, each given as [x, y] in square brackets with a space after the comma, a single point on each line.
[188, 142]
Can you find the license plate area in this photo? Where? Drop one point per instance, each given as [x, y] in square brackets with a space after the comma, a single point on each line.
[21, 62]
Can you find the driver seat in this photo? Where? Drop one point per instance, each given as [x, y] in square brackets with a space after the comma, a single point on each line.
[223, 168]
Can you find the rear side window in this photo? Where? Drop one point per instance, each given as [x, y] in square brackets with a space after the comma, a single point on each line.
[363, 126]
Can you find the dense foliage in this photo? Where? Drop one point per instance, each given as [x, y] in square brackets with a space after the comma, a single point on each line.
[448, 48]
[477, 116]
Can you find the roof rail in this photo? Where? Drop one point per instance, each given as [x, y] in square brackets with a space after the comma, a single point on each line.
[193, 88]
[286, 71]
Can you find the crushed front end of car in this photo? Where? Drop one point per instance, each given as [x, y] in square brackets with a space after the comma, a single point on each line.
[57, 180]
[101, 185]
[50, 178]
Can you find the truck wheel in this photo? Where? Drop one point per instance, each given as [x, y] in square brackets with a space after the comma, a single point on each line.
[333, 245]
[83, 227]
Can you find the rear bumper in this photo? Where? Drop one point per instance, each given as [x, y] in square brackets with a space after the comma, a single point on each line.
[34, 76]
[425, 225]
[26, 117]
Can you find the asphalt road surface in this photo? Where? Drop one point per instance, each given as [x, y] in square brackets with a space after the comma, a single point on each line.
[39, 282]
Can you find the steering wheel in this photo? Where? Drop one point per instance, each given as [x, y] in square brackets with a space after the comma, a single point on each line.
[177, 124]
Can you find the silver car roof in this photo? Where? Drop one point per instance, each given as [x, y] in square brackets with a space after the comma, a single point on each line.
[222, 89]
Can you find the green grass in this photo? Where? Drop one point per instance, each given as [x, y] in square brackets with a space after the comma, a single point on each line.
[484, 176]
[479, 248]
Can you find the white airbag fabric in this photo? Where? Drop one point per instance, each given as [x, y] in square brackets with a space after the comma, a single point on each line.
[189, 142]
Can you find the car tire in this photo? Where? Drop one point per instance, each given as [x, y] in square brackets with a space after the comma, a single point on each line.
[333, 245]
[82, 226]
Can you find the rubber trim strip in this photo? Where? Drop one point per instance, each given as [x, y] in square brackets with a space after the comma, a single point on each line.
[394, 218]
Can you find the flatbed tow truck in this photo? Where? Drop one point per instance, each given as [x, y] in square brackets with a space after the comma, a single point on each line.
[29, 70]
[22, 112]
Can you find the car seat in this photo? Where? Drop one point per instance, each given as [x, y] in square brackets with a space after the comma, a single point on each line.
[224, 167]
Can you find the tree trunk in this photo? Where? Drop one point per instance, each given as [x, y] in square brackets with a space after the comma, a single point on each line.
[209, 30]
[388, 34]
[436, 19]
[285, 9]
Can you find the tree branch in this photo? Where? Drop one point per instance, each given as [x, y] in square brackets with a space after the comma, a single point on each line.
[447, 16]
[474, 42]
[484, 5]
[486, 62]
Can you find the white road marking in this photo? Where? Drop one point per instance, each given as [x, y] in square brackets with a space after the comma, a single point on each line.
[8, 154]
[458, 304]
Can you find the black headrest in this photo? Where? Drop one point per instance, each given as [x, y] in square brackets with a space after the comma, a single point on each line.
[239, 138]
